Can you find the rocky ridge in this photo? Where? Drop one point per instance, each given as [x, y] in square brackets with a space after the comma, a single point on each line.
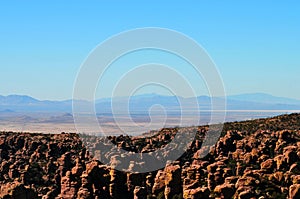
[252, 159]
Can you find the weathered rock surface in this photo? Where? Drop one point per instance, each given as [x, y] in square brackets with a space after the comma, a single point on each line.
[252, 159]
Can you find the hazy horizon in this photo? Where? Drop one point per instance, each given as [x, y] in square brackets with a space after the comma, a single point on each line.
[255, 49]
[149, 94]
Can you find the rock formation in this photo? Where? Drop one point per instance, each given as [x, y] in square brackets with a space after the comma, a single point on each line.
[252, 159]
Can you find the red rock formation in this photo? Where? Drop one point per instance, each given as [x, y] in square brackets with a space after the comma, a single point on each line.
[252, 159]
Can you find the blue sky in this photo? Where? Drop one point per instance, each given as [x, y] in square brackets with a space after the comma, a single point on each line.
[255, 44]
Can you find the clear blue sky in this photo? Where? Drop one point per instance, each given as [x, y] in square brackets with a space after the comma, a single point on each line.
[255, 44]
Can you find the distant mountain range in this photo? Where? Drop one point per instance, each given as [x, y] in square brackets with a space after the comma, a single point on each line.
[25, 113]
[140, 104]
[263, 98]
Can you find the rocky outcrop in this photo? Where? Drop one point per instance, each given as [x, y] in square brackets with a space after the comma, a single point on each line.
[173, 185]
[294, 191]
[252, 159]
[17, 190]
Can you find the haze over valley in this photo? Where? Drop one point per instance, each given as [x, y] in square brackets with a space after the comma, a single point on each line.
[23, 113]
